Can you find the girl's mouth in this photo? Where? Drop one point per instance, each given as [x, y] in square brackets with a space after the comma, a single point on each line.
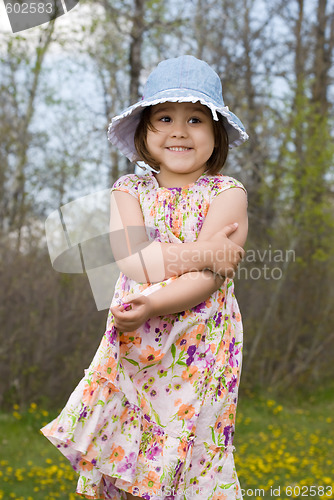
[178, 148]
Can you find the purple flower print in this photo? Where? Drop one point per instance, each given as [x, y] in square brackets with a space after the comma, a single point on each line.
[231, 350]
[190, 351]
[189, 360]
[83, 413]
[217, 318]
[129, 465]
[227, 433]
[154, 393]
[158, 431]
[232, 383]
[200, 307]
[146, 327]
[162, 373]
[112, 335]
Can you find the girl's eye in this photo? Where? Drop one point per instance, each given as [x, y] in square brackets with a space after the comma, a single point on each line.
[165, 119]
[194, 120]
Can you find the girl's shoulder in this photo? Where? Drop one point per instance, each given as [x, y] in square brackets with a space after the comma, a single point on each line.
[218, 183]
[132, 184]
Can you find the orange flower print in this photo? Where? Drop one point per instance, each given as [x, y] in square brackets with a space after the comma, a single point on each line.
[221, 298]
[117, 454]
[151, 482]
[127, 340]
[144, 405]
[89, 391]
[91, 452]
[85, 465]
[130, 338]
[149, 355]
[191, 373]
[108, 391]
[208, 302]
[224, 420]
[107, 367]
[213, 348]
[182, 449]
[186, 411]
[197, 333]
[192, 337]
[219, 424]
[238, 317]
[221, 354]
[232, 409]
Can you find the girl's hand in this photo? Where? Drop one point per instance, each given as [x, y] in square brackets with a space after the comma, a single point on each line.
[225, 259]
[133, 313]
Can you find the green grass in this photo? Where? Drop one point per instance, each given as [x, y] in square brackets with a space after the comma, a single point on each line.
[30, 467]
[282, 448]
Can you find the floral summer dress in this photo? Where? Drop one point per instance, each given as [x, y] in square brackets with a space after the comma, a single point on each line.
[155, 412]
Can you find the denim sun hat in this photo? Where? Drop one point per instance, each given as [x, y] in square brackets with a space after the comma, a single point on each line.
[181, 79]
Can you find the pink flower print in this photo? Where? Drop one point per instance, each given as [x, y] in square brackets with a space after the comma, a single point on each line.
[153, 452]
[129, 465]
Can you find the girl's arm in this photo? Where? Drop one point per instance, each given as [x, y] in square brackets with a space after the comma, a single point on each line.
[191, 288]
[149, 262]
[181, 294]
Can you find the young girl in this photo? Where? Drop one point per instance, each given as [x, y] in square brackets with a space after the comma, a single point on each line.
[154, 416]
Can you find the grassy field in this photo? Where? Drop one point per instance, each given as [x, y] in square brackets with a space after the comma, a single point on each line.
[283, 450]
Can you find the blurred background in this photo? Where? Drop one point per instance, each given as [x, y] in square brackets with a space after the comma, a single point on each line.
[60, 84]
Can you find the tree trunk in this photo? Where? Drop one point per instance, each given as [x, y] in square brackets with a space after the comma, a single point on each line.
[135, 61]
[18, 209]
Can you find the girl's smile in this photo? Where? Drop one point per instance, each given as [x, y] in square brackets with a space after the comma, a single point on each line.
[181, 140]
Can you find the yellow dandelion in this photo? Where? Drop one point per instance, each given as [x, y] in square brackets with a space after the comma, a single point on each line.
[270, 403]
[278, 409]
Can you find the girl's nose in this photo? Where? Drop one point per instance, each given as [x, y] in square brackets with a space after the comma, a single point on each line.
[179, 130]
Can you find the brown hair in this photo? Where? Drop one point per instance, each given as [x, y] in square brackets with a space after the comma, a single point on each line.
[216, 161]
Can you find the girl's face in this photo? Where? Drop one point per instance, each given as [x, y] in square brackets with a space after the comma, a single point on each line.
[182, 139]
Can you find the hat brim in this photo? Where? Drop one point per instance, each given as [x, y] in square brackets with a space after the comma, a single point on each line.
[122, 128]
